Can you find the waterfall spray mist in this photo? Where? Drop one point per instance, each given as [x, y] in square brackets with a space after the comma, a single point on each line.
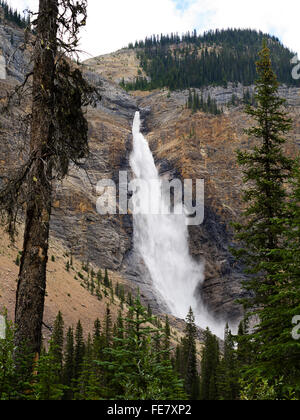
[162, 241]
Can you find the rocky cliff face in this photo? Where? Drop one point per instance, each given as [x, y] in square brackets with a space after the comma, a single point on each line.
[198, 146]
[202, 146]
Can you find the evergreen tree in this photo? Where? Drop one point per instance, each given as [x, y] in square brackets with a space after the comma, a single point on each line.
[244, 346]
[88, 387]
[48, 385]
[99, 277]
[279, 352]
[271, 286]
[79, 350]
[227, 373]
[166, 339]
[209, 367]
[57, 342]
[106, 281]
[69, 363]
[226, 56]
[14, 16]
[7, 372]
[191, 377]
[120, 326]
[131, 370]
[108, 327]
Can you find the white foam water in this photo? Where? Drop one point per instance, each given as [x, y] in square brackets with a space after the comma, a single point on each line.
[161, 238]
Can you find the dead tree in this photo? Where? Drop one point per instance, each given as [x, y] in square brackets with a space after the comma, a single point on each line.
[32, 277]
[58, 135]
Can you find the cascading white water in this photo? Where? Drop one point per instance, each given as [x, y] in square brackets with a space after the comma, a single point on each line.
[162, 240]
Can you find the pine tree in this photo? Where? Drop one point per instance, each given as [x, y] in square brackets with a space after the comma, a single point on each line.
[106, 281]
[244, 349]
[69, 364]
[57, 341]
[227, 372]
[267, 170]
[48, 385]
[79, 350]
[130, 369]
[87, 384]
[191, 377]
[99, 277]
[108, 327]
[279, 356]
[7, 371]
[166, 339]
[120, 326]
[209, 367]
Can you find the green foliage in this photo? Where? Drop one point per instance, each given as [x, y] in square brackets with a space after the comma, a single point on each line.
[215, 58]
[47, 385]
[18, 260]
[132, 361]
[69, 364]
[78, 350]
[189, 368]
[209, 367]
[99, 277]
[248, 98]
[130, 368]
[227, 372]
[57, 342]
[7, 364]
[195, 103]
[13, 15]
[270, 240]
[260, 389]
[85, 267]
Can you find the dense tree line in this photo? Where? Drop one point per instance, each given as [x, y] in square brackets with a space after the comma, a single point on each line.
[13, 15]
[133, 359]
[130, 359]
[196, 103]
[215, 58]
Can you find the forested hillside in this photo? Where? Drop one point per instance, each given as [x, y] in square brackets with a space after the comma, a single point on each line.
[215, 58]
[13, 15]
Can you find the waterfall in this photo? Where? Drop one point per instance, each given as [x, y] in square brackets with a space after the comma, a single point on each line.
[162, 239]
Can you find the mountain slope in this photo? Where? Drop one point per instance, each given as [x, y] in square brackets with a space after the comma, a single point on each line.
[215, 58]
[184, 145]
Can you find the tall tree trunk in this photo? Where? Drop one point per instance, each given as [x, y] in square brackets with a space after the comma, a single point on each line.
[32, 276]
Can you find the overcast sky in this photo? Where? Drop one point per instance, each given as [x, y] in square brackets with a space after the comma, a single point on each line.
[112, 24]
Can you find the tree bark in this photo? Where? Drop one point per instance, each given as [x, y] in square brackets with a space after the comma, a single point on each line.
[32, 276]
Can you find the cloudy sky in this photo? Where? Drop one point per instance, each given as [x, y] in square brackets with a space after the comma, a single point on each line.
[112, 24]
